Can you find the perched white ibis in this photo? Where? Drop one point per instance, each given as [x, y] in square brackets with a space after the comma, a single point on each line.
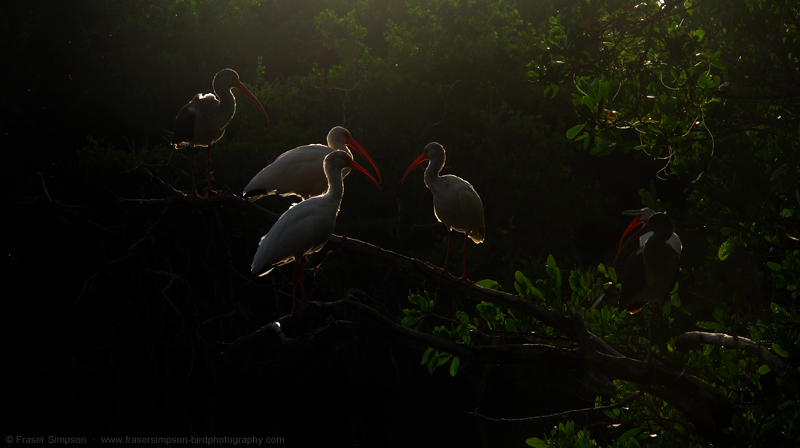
[651, 258]
[455, 203]
[203, 120]
[299, 172]
[306, 226]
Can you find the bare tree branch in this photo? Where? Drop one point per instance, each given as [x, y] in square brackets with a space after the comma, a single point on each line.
[619, 404]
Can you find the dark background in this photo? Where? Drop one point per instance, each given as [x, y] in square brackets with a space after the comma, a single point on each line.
[118, 316]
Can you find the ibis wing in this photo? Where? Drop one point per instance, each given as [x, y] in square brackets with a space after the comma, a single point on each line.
[472, 211]
[633, 281]
[300, 230]
[297, 172]
[184, 127]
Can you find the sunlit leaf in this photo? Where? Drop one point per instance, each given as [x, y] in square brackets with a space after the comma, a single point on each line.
[488, 284]
[780, 351]
[573, 131]
[454, 366]
[536, 442]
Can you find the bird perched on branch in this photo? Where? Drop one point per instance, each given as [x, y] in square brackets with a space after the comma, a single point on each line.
[306, 226]
[651, 259]
[299, 171]
[202, 121]
[455, 203]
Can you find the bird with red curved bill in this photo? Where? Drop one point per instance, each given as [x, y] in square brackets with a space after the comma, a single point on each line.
[202, 121]
[299, 171]
[305, 227]
[455, 203]
[651, 259]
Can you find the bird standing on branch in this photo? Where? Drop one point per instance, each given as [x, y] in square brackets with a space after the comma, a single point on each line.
[455, 203]
[651, 258]
[306, 226]
[203, 120]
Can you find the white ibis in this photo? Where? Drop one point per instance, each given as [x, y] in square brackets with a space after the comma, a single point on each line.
[203, 120]
[455, 203]
[306, 226]
[299, 172]
[651, 258]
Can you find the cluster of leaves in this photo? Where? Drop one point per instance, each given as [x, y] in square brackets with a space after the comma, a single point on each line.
[710, 88]
[489, 319]
[740, 376]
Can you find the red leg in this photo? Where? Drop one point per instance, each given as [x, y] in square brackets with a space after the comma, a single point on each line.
[464, 252]
[298, 277]
[302, 281]
[193, 194]
[650, 331]
[208, 171]
[447, 254]
[294, 289]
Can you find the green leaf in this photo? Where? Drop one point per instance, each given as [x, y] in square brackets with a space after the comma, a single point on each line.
[719, 315]
[488, 284]
[510, 325]
[778, 172]
[410, 320]
[536, 442]
[628, 434]
[726, 248]
[573, 131]
[602, 147]
[764, 369]
[553, 271]
[774, 266]
[699, 34]
[426, 356]
[780, 351]
[454, 366]
[705, 80]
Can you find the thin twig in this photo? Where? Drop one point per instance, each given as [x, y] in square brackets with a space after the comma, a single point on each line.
[623, 402]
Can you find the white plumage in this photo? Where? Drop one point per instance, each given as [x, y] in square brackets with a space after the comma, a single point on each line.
[306, 226]
[455, 203]
[299, 171]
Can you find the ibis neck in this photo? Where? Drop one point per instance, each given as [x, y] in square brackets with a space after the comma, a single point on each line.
[335, 184]
[435, 165]
[339, 147]
[658, 239]
[225, 95]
